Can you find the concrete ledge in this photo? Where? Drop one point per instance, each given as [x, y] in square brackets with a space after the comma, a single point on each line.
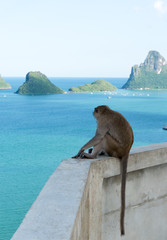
[81, 200]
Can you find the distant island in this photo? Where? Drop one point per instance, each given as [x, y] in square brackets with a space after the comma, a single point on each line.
[38, 83]
[3, 84]
[97, 86]
[152, 74]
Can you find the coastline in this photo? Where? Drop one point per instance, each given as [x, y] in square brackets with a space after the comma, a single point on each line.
[145, 89]
[5, 88]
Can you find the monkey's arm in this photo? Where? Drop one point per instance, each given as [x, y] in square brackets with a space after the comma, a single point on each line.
[93, 142]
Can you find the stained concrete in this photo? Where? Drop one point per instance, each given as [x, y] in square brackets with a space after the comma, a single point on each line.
[81, 200]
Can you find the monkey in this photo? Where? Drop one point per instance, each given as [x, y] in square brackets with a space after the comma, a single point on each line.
[114, 137]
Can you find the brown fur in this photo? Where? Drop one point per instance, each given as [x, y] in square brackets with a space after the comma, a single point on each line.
[114, 136]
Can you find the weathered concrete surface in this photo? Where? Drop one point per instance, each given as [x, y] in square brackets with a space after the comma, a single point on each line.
[81, 200]
[146, 205]
[53, 214]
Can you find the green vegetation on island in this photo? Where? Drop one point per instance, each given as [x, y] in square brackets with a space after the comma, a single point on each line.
[3, 84]
[97, 86]
[38, 83]
[152, 74]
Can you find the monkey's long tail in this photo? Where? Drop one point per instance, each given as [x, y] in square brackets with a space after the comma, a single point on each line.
[124, 162]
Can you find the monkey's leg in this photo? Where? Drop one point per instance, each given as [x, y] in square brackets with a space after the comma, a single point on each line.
[112, 147]
[93, 142]
[87, 155]
[101, 153]
[96, 150]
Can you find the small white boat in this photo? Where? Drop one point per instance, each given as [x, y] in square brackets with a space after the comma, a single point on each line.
[164, 128]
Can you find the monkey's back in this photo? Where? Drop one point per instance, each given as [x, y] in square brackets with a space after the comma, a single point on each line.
[120, 129]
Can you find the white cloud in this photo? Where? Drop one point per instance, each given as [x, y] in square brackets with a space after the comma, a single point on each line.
[160, 7]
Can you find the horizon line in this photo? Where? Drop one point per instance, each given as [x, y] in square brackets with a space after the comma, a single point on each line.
[65, 77]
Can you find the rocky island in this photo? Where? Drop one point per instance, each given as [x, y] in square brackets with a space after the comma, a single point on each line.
[3, 84]
[152, 74]
[97, 86]
[38, 83]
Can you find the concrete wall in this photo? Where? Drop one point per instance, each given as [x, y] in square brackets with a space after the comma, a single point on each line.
[81, 200]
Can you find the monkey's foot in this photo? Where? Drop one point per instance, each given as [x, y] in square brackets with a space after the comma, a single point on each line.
[76, 156]
[87, 155]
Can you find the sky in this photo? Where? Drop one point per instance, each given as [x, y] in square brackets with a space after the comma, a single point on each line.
[80, 38]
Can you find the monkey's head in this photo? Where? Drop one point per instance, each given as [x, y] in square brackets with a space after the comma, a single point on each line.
[100, 110]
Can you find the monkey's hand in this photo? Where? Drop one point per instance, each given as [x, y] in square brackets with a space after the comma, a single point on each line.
[80, 154]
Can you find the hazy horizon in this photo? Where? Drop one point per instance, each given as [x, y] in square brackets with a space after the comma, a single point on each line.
[64, 77]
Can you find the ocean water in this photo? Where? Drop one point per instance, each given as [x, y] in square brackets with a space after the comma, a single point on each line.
[37, 132]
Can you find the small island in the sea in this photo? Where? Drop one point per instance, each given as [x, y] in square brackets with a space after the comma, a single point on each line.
[152, 74]
[97, 86]
[38, 83]
[3, 84]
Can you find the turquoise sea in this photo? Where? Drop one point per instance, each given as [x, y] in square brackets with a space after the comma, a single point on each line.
[37, 132]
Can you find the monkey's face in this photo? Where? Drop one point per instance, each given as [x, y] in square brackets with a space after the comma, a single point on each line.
[98, 111]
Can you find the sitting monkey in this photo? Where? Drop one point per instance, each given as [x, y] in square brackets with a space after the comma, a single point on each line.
[114, 136]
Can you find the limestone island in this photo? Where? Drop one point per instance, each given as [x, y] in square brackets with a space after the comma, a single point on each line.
[3, 84]
[152, 74]
[38, 83]
[97, 86]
